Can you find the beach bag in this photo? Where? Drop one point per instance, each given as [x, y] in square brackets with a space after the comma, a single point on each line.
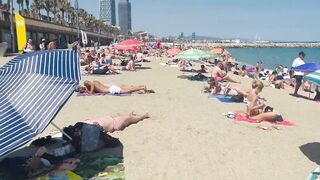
[237, 98]
[124, 63]
[88, 137]
[99, 71]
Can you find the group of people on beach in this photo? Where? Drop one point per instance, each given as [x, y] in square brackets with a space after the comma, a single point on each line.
[218, 82]
[95, 62]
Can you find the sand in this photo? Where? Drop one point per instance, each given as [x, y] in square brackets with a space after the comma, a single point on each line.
[187, 137]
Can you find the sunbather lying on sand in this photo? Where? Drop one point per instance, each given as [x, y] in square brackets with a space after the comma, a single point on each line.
[203, 69]
[215, 88]
[92, 87]
[111, 124]
[256, 109]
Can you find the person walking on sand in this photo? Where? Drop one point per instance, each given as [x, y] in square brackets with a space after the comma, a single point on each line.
[298, 75]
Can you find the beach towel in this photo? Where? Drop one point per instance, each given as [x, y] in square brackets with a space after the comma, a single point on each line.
[102, 94]
[222, 98]
[239, 117]
[314, 175]
[172, 65]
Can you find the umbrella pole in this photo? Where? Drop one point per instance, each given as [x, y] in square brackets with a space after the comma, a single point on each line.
[61, 130]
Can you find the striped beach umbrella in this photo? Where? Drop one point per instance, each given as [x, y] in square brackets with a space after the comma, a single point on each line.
[33, 88]
[313, 77]
[194, 54]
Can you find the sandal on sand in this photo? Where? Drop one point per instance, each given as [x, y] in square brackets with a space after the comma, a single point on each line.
[150, 91]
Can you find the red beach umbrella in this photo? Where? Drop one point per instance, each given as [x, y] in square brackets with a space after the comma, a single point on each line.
[126, 48]
[131, 42]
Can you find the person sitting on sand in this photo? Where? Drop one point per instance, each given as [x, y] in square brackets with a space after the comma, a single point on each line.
[130, 65]
[220, 75]
[98, 87]
[243, 71]
[256, 109]
[279, 84]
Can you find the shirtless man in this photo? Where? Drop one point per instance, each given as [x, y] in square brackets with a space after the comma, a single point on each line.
[98, 87]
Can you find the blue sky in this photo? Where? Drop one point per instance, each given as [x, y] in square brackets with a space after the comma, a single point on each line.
[267, 19]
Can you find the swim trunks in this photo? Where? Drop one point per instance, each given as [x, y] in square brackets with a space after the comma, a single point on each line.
[114, 89]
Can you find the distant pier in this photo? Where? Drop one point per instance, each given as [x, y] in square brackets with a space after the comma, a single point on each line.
[258, 45]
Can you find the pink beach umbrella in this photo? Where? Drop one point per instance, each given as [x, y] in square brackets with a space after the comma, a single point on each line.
[126, 48]
[131, 42]
[174, 51]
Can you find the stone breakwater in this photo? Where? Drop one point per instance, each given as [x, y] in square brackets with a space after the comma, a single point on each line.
[257, 45]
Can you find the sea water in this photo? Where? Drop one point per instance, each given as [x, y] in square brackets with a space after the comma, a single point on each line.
[272, 56]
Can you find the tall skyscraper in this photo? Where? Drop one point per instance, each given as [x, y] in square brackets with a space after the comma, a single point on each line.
[124, 14]
[108, 11]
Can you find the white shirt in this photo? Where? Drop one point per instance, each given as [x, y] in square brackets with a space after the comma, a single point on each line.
[297, 62]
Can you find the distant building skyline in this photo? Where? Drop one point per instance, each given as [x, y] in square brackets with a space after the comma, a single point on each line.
[108, 11]
[124, 14]
[285, 20]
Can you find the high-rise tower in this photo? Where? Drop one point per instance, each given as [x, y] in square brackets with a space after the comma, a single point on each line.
[124, 14]
[108, 11]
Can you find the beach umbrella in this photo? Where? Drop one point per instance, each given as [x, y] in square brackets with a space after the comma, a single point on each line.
[33, 88]
[194, 54]
[313, 78]
[308, 67]
[173, 51]
[126, 48]
[130, 42]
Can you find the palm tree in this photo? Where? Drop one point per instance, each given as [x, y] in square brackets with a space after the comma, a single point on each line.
[27, 4]
[71, 14]
[54, 9]
[20, 4]
[36, 6]
[83, 16]
[46, 5]
[64, 6]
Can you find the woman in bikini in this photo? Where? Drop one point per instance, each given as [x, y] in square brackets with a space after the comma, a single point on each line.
[98, 87]
[215, 87]
[279, 84]
[111, 124]
[255, 108]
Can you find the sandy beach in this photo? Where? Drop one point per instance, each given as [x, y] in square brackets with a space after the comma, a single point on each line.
[188, 137]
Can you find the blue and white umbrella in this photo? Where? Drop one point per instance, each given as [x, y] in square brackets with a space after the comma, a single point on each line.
[33, 88]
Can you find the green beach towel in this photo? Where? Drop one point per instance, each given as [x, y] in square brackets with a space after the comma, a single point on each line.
[101, 167]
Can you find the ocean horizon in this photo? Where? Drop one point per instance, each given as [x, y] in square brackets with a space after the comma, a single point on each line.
[272, 56]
